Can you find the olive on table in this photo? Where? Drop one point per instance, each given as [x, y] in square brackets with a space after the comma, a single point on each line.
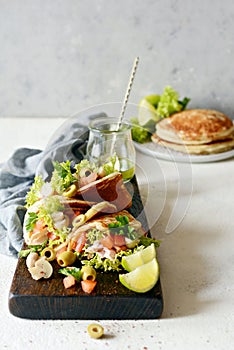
[66, 258]
[95, 330]
[88, 273]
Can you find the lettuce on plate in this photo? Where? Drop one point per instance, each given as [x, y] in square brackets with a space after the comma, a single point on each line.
[169, 103]
[152, 109]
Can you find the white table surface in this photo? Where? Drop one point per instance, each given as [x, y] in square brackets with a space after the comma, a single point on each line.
[196, 258]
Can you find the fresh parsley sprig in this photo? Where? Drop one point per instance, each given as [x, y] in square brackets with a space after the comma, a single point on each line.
[121, 227]
[74, 271]
[31, 221]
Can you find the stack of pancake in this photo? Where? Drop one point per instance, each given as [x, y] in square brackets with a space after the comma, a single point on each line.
[196, 131]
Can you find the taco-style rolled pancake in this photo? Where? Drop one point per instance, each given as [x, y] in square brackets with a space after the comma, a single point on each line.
[110, 188]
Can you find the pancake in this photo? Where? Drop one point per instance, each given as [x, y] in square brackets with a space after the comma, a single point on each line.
[195, 127]
[197, 149]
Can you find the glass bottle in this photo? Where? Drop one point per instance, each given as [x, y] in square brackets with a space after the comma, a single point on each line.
[106, 140]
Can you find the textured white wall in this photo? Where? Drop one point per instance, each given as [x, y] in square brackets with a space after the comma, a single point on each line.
[58, 57]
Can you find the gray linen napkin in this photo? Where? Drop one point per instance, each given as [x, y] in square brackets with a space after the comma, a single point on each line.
[17, 175]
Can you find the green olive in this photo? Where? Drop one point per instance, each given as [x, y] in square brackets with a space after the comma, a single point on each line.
[49, 253]
[95, 330]
[66, 258]
[88, 273]
[70, 191]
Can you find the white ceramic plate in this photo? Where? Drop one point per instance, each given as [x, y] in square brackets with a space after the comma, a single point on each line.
[161, 152]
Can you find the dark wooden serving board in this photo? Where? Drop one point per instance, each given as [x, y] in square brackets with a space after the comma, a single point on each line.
[48, 299]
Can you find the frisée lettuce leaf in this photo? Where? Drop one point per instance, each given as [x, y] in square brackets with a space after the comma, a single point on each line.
[34, 194]
[62, 176]
[169, 102]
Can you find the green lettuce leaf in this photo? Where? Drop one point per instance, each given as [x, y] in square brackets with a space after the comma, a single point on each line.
[146, 241]
[111, 166]
[34, 193]
[50, 205]
[139, 134]
[105, 264]
[168, 103]
[62, 176]
[94, 235]
[31, 249]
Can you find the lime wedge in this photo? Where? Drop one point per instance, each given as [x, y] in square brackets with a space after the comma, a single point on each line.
[147, 114]
[153, 99]
[143, 278]
[131, 262]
